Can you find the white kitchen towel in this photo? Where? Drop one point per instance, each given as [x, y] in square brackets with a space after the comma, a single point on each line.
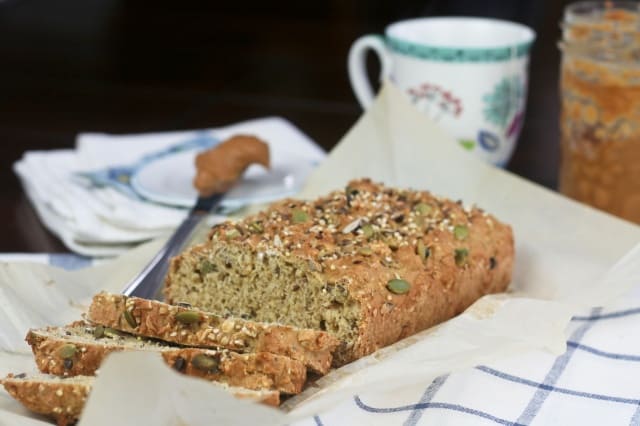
[595, 382]
[105, 220]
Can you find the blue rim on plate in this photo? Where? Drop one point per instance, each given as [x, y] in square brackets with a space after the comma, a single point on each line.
[119, 177]
[168, 180]
[165, 177]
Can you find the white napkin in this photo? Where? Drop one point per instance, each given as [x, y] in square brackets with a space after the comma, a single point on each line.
[104, 221]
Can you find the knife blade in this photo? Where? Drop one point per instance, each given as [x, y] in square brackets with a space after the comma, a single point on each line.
[148, 283]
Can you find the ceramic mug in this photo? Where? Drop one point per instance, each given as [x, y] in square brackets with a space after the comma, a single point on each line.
[469, 75]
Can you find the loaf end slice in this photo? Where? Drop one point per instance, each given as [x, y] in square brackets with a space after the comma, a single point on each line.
[80, 348]
[191, 327]
[63, 398]
[51, 396]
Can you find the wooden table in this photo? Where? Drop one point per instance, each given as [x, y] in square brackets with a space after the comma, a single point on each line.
[124, 67]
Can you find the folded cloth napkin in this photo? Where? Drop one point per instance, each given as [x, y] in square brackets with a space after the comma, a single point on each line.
[94, 217]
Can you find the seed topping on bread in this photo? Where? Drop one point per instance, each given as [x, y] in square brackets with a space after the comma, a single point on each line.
[355, 222]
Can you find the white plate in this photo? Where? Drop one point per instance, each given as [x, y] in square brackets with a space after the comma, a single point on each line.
[169, 180]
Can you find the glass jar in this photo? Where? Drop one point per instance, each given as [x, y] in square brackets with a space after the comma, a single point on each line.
[600, 104]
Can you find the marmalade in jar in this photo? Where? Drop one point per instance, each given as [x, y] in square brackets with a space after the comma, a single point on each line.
[600, 100]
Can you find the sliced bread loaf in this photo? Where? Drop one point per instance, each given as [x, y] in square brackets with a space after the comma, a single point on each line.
[79, 349]
[187, 326]
[63, 398]
[369, 264]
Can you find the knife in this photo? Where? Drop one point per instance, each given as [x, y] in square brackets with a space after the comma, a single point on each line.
[149, 281]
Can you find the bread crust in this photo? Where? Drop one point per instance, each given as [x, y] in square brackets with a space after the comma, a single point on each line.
[158, 320]
[64, 399]
[251, 371]
[470, 254]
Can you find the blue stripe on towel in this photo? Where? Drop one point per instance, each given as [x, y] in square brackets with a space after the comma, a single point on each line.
[623, 357]
[440, 405]
[428, 395]
[610, 315]
[551, 388]
[635, 419]
[553, 375]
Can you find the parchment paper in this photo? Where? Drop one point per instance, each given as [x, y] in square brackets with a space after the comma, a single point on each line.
[563, 253]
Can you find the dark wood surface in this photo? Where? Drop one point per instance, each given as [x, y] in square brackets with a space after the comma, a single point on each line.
[123, 66]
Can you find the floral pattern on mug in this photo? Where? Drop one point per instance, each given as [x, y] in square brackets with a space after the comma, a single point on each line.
[489, 141]
[435, 101]
[505, 98]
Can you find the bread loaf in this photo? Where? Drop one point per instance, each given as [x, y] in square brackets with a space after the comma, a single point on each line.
[369, 264]
[79, 349]
[191, 327]
[63, 398]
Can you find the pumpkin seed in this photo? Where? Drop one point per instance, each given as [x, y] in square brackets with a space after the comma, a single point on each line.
[398, 286]
[207, 267]
[423, 208]
[231, 234]
[256, 228]
[98, 332]
[299, 216]
[367, 230]
[205, 363]
[460, 232]
[461, 256]
[128, 316]
[365, 251]
[422, 250]
[67, 351]
[188, 317]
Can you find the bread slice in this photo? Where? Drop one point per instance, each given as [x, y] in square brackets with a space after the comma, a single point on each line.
[79, 349]
[370, 264]
[187, 326]
[63, 398]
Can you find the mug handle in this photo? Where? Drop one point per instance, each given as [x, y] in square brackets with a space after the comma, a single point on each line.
[357, 64]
